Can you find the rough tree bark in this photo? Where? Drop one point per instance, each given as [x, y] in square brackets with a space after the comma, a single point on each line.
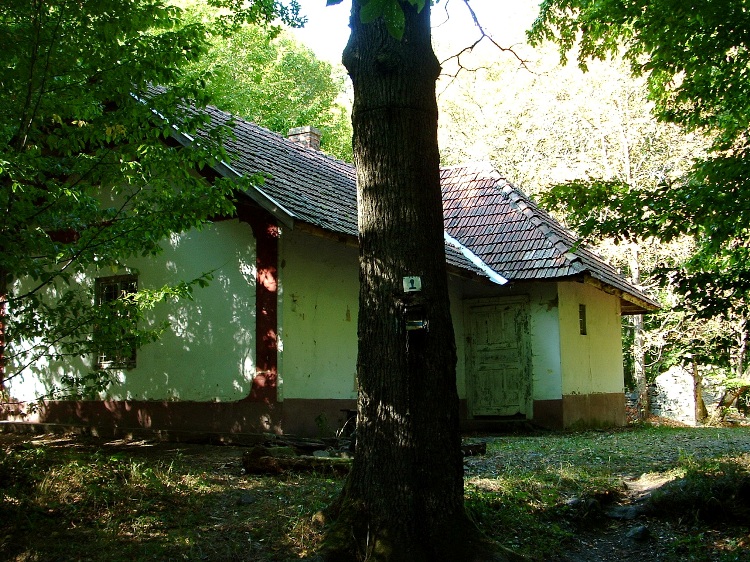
[404, 498]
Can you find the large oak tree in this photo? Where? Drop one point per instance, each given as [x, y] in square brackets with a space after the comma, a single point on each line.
[404, 499]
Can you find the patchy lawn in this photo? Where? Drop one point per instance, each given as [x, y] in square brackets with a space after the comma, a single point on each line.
[649, 493]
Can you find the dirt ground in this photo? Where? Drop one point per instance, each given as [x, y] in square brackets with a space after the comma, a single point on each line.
[612, 531]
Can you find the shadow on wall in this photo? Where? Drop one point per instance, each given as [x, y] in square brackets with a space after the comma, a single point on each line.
[207, 353]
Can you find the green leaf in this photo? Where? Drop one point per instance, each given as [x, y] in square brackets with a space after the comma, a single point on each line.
[395, 20]
[372, 10]
[390, 10]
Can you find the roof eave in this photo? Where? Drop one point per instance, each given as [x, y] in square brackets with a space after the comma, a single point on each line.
[278, 211]
[630, 304]
[225, 170]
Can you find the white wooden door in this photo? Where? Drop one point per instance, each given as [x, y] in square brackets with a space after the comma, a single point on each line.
[499, 358]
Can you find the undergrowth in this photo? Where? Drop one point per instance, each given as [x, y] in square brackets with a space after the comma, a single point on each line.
[73, 500]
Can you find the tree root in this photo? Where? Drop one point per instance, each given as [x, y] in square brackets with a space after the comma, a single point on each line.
[349, 537]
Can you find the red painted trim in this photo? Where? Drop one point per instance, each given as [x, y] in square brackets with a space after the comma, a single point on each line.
[3, 316]
[266, 233]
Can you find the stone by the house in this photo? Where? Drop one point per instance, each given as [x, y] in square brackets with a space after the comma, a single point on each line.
[673, 395]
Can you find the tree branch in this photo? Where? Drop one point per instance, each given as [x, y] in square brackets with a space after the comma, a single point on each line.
[484, 36]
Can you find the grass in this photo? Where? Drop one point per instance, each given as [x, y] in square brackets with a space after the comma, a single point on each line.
[67, 499]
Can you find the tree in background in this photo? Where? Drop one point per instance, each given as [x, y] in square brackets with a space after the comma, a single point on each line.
[87, 177]
[267, 77]
[694, 57]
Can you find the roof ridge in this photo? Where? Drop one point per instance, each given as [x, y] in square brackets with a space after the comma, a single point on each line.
[471, 163]
[545, 224]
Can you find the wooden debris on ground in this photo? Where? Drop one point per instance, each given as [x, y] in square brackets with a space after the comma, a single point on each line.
[264, 460]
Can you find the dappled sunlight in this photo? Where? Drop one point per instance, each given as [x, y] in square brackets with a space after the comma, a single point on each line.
[135, 500]
[33, 369]
[207, 353]
[267, 278]
[248, 271]
[179, 322]
[247, 368]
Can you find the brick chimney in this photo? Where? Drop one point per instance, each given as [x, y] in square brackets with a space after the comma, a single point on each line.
[306, 136]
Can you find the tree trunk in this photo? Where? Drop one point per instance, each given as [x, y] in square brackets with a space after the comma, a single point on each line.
[701, 413]
[404, 499]
[639, 353]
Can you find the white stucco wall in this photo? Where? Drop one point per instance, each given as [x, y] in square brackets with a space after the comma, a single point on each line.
[318, 317]
[459, 330]
[591, 363]
[545, 342]
[208, 351]
[319, 300]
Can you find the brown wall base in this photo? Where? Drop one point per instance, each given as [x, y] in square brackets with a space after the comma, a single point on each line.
[308, 418]
[311, 418]
[572, 411]
[592, 410]
[548, 414]
[219, 417]
[317, 418]
[581, 411]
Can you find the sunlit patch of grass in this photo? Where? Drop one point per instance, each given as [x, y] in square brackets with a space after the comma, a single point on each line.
[517, 511]
[89, 502]
[704, 546]
[283, 510]
[535, 489]
[113, 492]
[523, 505]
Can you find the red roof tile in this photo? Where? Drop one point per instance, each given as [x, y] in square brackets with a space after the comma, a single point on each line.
[520, 240]
[492, 219]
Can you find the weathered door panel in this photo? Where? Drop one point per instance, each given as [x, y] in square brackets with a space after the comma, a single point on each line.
[499, 359]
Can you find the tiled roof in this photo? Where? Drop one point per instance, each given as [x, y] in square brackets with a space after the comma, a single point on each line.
[513, 236]
[313, 187]
[307, 184]
[488, 216]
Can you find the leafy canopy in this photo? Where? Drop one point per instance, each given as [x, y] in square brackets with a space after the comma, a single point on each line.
[390, 10]
[274, 81]
[88, 177]
[695, 58]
